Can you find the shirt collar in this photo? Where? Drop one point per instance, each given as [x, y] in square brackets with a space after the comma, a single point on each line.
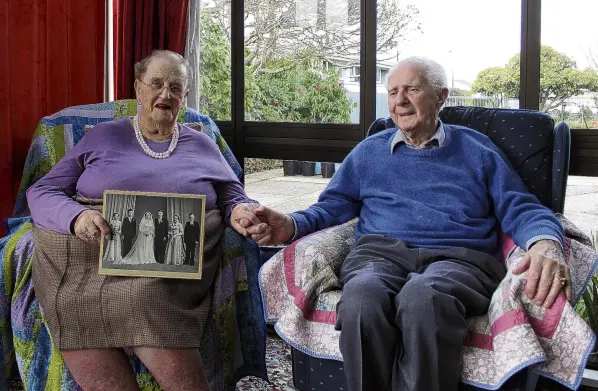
[439, 136]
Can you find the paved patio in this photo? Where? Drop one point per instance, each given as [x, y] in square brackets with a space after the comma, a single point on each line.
[291, 193]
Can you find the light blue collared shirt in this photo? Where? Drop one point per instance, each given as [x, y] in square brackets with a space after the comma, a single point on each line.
[436, 141]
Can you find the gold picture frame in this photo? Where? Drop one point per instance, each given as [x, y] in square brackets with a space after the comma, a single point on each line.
[146, 252]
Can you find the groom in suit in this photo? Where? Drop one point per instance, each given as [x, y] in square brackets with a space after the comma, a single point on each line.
[129, 230]
[191, 238]
[161, 226]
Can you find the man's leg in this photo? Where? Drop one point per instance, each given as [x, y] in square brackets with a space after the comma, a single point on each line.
[431, 311]
[372, 274]
[187, 246]
[126, 246]
[157, 250]
[192, 253]
[162, 250]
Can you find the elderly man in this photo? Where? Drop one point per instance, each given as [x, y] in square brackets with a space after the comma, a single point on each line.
[428, 196]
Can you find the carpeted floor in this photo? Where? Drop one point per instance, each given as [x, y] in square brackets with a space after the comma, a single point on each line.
[278, 360]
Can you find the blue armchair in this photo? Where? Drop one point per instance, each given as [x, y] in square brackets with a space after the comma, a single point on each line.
[540, 154]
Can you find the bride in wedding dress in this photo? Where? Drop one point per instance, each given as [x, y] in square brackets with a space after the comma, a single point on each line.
[143, 248]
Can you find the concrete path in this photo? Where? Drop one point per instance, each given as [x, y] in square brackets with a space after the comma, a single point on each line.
[288, 194]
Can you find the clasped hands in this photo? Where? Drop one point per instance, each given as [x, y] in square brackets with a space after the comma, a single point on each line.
[547, 272]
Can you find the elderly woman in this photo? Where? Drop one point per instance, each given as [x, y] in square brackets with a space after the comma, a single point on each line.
[93, 318]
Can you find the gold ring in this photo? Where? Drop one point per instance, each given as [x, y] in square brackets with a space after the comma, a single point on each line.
[563, 280]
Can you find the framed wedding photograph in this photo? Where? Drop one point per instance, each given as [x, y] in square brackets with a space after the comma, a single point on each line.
[153, 235]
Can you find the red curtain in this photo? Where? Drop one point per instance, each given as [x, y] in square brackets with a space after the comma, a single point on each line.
[141, 26]
[52, 57]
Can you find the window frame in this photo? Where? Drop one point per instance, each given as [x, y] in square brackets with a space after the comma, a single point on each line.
[332, 142]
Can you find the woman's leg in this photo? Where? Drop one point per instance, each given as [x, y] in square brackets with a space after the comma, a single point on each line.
[101, 369]
[174, 369]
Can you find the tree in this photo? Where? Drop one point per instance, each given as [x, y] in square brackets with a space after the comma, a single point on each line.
[300, 94]
[458, 92]
[593, 60]
[215, 70]
[296, 92]
[560, 79]
[277, 29]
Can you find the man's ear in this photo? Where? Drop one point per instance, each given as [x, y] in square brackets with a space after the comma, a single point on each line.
[443, 96]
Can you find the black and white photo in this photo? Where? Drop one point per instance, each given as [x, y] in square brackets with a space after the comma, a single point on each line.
[153, 234]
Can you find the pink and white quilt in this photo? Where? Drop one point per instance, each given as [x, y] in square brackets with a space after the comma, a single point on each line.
[300, 288]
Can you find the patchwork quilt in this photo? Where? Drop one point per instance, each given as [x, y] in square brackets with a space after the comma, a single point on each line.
[300, 289]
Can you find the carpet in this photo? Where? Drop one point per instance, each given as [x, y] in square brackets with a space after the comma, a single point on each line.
[280, 373]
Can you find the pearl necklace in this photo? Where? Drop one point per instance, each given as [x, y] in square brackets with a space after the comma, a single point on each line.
[146, 148]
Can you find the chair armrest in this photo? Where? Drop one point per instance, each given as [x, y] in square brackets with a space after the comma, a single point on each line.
[560, 166]
[268, 252]
[318, 258]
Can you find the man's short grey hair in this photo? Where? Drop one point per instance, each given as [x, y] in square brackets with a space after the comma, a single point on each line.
[431, 71]
[141, 66]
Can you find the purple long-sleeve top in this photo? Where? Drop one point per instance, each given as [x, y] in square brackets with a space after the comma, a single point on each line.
[109, 157]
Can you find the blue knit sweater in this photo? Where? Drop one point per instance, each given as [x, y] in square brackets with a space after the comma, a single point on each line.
[452, 196]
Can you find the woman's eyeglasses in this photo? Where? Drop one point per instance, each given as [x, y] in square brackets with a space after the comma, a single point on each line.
[157, 86]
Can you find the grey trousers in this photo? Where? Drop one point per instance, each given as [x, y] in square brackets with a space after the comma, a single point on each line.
[402, 313]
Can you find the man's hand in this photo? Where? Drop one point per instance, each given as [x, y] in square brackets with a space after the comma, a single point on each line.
[88, 226]
[242, 217]
[278, 227]
[547, 273]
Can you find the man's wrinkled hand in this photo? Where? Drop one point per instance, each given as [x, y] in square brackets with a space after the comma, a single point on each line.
[547, 273]
[276, 227]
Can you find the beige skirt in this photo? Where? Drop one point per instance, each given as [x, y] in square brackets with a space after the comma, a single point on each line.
[86, 310]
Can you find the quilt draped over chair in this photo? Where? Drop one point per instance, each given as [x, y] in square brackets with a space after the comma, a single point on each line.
[233, 344]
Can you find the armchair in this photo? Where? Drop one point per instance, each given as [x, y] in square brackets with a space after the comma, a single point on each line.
[300, 284]
[233, 344]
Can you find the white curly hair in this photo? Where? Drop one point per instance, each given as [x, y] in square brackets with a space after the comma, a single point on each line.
[431, 71]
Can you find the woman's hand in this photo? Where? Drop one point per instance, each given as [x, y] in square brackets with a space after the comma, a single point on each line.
[89, 225]
[243, 217]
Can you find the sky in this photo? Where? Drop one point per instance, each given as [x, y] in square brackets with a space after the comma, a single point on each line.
[466, 36]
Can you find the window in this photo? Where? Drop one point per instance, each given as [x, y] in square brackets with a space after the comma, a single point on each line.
[289, 185]
[569, 92]
[569, 63]
[296, 54]
[476, 45]
[355, 72]
[215, 59]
